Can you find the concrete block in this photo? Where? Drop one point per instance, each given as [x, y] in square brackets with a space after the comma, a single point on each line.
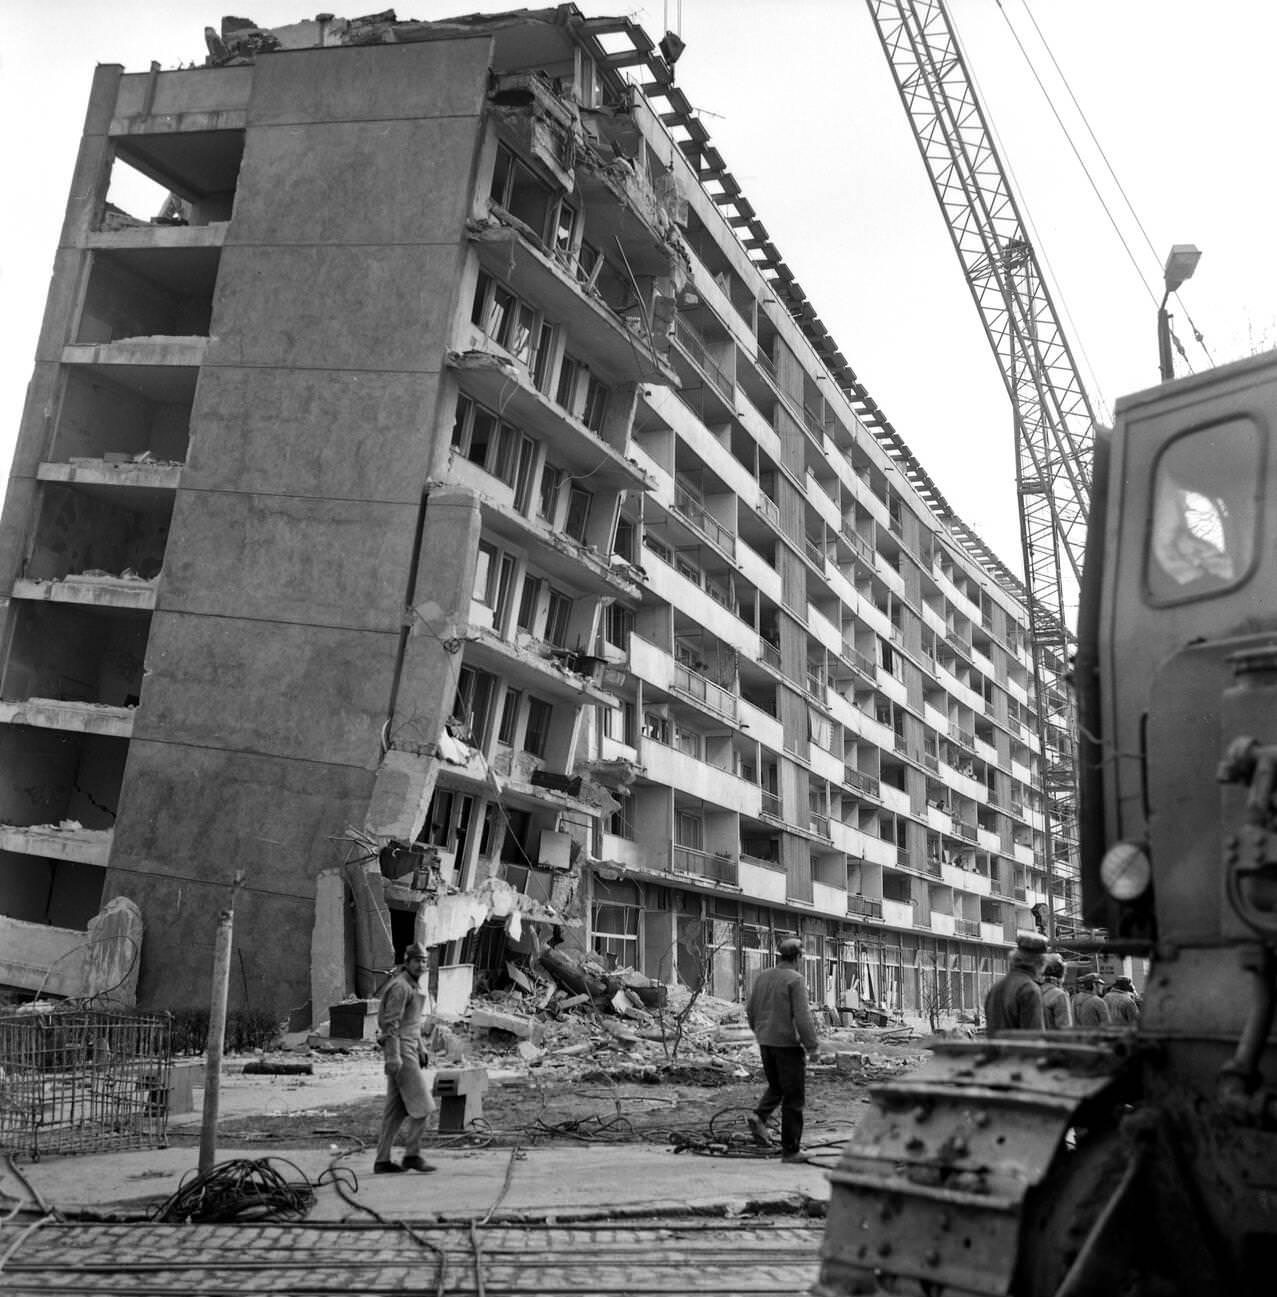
[524, 1028]
[849, 1061]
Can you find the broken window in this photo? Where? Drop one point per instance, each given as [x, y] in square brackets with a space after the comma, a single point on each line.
[485, 440]
[558, 613]
[536, 734]
[517, 189]
[470, 710]
[508, 320]
[578, 519]
[596, 401]
[551, 484]
[615, 930]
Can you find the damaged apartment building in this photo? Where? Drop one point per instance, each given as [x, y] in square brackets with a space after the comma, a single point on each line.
[447, 512]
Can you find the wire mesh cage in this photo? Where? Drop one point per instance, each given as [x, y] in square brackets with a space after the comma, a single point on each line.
[79, 1080]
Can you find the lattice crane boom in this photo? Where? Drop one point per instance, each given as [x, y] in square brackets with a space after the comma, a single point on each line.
[1054, 421]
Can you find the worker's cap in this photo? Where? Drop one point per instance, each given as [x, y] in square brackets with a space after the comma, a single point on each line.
[1054, 965]
[1123, 984]
[1090, 979]
[415, 952]
[1032, 943]
[790, 948]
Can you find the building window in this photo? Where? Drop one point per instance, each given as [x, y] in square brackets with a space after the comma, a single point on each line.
[543, 357]
[479, 436]
[596, 401]
[506, 319]
[623, 540]
[470, 709]
[578, 519]
[618, 723]
[528, 604]
[565, 392]
[485, 570]
[509, 717]
[615, 933]
[448, 820]
[551, 484]
[517, 189]
[689, 831]
[558, 614]
[618, 625]
[537, 733]
[620, 824]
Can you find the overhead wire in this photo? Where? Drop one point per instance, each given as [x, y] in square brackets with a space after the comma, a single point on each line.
[1117, 182]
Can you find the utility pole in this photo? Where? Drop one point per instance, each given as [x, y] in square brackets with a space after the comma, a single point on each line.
[217, 1028]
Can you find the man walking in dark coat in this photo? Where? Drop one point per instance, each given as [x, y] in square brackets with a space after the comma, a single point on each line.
[779, 1015]
[1014, 1002]
[1089, 1010]
[1056, 1011]
[1124, 1009]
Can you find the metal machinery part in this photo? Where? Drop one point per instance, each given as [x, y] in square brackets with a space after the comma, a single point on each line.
[933, 1193]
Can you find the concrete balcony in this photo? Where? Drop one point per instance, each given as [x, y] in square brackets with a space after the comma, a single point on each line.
[121, 474]
[897, 913]
[988, 840]
[762, 881]
[677, 770]
[964, 927]
[52, 842]
[942, 924]
[993, 933]
[91, 591]
[830, 900]
[966, 880]
[60, 714]
[154, 352]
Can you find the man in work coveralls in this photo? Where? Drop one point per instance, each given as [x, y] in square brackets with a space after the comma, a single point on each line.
[399, 1019]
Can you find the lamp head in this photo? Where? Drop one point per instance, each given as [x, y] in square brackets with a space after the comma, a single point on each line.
[1180, 265]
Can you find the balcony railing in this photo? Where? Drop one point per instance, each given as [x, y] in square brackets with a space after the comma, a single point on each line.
[867, 907]
[815, 551]
[769, 509]
[1020, 893]
[859, 544]
[702, 689]
[903, 858]
[770, 653]
[819, 825]
[933, 867]
[967, 831]
[691, 509]
[695, 348]
[772, 804]
[966, 927]
[701, 864]
[863, 783]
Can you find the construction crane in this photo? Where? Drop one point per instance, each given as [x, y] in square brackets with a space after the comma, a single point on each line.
[1054, 422]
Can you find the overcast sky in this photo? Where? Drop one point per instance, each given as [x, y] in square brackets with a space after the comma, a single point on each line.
[798, 97]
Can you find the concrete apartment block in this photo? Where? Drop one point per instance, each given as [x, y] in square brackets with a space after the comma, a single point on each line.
[445, 500]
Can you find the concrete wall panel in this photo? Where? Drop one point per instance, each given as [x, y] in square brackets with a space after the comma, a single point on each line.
[192, 817]
[372, 83]
[323, 308]
[268, 688]
[332, 563]
[356, 182]
[319, 432]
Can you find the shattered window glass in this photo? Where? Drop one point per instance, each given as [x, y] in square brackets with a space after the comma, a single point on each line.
[1202, 535]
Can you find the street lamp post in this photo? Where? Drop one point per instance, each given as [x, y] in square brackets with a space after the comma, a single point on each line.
[1179, 266]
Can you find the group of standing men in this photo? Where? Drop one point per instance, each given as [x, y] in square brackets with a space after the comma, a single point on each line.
[1031, 996]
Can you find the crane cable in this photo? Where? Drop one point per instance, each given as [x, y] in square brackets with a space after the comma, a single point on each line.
[1197, 335]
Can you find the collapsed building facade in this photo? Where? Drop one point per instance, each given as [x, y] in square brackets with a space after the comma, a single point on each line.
[442, 513]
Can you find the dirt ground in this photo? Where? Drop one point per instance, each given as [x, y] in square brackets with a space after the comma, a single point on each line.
[694, 1105]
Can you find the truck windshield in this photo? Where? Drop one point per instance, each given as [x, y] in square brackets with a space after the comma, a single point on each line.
[1202, 538]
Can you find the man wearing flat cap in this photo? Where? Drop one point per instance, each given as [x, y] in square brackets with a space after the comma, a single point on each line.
[404, 1004]
[779, 1015]
[1014, 1002]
